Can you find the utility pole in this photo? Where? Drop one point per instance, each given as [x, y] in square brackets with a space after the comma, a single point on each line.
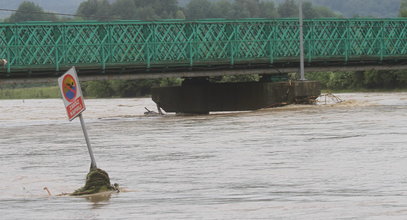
[302, 72]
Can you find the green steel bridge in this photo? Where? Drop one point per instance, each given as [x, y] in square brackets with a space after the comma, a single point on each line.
[168, 48]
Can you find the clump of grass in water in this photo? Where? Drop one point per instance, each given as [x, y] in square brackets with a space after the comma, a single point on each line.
[97, 181]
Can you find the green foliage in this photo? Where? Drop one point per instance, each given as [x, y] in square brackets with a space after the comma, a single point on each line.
[94, 10]
[131, 88]
[129, 10]
[106, 10]
[125, 88]
[222, 9]
[230, 9]
[180, 15]
[384, 79]
[361, 80]
[288, 9]
[268, 10]
[92, 89]
[124, 9]
[403, 8]
[29, 11]
[362, 8]
[97, 181]
[97, 89]
[310, 11]
[170, 82]
[30, 93]
[198, 9]
[237, 78]
[247, 8]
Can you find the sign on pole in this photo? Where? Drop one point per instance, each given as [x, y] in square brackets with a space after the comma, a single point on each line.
[74, 104]
[71, 93]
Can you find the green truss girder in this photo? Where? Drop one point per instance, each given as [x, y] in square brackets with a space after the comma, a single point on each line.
[101, 45]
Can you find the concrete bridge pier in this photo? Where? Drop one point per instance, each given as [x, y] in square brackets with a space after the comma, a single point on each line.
[199, 96]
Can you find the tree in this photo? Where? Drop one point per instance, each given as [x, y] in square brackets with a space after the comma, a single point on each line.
[95, 10]
[124, 9]
[145, 9]
[324, 12]
[403, 8]
[163, 9]
[222, 9]
[288, 9]
[309, 11]
[147, 13]
[268, 10]
[29, 11]
[247, 8]
[198, 9]
[179, 14]
[97, 89]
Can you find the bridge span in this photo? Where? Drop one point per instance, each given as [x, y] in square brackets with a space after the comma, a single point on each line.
[41, 51]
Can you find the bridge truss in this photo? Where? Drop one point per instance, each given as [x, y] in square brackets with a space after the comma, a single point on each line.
[47, 48]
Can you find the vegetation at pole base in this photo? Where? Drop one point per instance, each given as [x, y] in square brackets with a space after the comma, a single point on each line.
[97, 181]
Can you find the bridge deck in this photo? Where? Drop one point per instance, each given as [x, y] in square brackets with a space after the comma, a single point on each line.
[48, 48]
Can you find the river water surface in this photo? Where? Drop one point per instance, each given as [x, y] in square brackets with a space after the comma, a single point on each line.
[333, 161]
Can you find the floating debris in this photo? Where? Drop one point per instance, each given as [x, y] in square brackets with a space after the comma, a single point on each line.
[308, 100]
[97, 181]
[153, 113]
[329, 98]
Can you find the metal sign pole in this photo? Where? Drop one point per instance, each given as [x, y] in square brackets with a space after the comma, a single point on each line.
[302, 74]
[85, 133]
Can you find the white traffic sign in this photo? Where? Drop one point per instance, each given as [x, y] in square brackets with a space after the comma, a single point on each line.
[74, 104]
[71, 93]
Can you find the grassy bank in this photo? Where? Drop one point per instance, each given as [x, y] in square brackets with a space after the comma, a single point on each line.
[30, 93]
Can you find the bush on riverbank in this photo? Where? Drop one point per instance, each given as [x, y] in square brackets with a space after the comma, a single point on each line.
[30, 93]
[361, 80]
[335, 81]
[124, 88]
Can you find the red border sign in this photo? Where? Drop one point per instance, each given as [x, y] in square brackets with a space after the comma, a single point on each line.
[69, 88]
[71, 93]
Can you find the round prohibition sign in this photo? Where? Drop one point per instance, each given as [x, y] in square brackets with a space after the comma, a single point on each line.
[69, 88]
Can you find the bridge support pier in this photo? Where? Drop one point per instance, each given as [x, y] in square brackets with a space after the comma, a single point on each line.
[205, 97]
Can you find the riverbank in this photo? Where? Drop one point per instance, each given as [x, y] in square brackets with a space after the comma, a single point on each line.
[53, 92]
[30, 93]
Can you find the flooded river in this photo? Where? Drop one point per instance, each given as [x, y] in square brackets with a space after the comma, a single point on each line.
[333, 161]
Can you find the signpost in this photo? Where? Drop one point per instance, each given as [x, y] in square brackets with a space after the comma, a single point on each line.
[302, 77]
[74, 104]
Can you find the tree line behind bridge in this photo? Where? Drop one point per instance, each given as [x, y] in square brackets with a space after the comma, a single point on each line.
[104, 10]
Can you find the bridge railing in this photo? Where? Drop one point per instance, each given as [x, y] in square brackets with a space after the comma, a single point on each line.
[47, 46]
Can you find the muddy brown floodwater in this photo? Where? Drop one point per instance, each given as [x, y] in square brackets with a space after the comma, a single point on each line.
[333, 161]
